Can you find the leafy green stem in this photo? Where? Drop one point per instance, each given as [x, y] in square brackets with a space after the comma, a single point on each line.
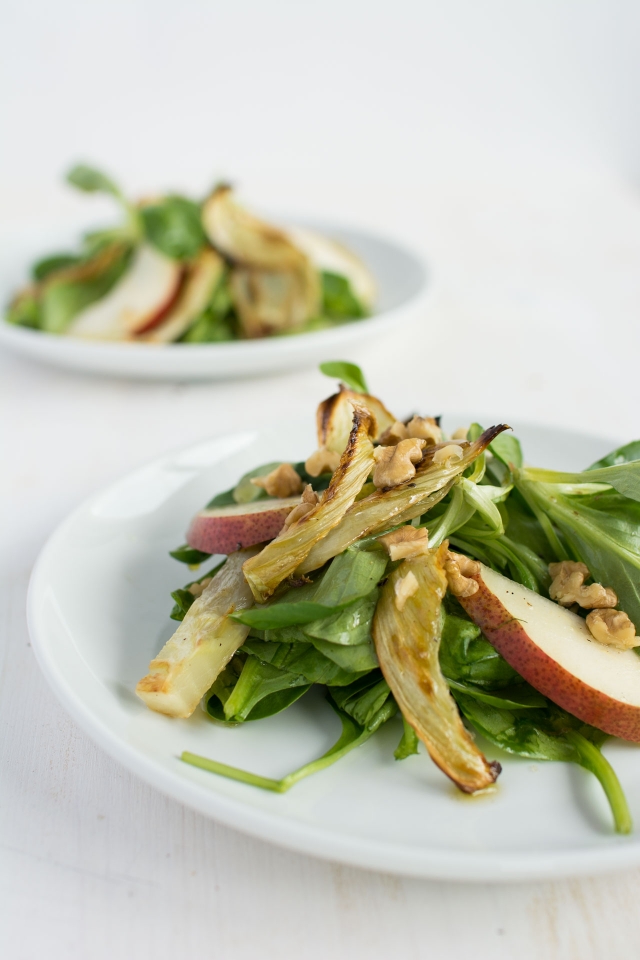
[590, 757]
[352, 735]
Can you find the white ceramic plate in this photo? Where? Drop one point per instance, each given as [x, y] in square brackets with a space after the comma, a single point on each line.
[98, 611]
[403, 286]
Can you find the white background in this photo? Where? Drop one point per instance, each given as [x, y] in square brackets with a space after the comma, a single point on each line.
[502, 140]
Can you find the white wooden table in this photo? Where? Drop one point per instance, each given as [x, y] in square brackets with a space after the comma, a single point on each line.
[536, 317]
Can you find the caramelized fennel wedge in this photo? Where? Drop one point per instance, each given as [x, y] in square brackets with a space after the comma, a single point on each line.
[333, 417]
[407, 642]
[280, 558]
[274, 284]
[385, 508]
[202, 645]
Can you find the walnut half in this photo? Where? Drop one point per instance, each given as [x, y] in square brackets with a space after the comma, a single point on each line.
[614, 628]
[395, 465]
[406, 542]
[281, 482]
[322, 461]
[567, 587]
[460, 570]
[308, 501]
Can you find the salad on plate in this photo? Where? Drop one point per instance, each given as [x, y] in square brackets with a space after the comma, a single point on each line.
[182, 271]
[490, 605]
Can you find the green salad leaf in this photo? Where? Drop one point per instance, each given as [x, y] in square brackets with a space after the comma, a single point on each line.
[92, 181]
[352, 735]
[339, 301]
[550, 734]
[349, 373]
[174, 226]
[186, 554]
[351, 576]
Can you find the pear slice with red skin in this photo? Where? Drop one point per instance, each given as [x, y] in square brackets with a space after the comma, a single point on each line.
[553, 650]
[142, 298]
[194, 295]
[227, 529]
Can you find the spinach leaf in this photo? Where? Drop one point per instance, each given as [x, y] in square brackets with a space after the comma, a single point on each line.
[351, 576]
[92, 181]
[24, 311]
[408, 742]
[358, 659]
[48, 265]
[466, 656]
[257, 681]
[338, 299]
[507, 449]
[299, 658]
[352, 735]
[604, 532]
[267, 706]
[209, 327]
[187, 554]
[364, 698]
[63, 297]
[174, 226]
[217, 323]
[523, 528]
[623, 477]
[349, 627]
[224, 499]
[349, 373]
[626, 454]
[549, 734]
[518, 697]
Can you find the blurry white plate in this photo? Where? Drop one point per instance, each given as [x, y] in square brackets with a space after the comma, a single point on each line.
[98, 611]
[402, 280]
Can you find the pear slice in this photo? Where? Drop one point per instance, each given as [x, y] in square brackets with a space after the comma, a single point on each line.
[195, 295]
[226, 529]
[553, 650]
[140, 299]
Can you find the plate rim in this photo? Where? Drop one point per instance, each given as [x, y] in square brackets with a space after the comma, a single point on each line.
[386, 857]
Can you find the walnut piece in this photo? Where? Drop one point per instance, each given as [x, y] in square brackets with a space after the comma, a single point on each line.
[406, 542]
[424, 428]
[281, 482]
[450, 451]
[197, 589]
[460, 570]
[322, 461]
[567, 587]
[613, 627]
[395, 465]
[404, 588]
[307, 502]
[394, 434]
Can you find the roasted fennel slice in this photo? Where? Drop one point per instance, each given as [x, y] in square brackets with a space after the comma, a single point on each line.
[280, 558]
[406, 631]
[202, 645]
[386, 508]
[334, 415]
[274, 284]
